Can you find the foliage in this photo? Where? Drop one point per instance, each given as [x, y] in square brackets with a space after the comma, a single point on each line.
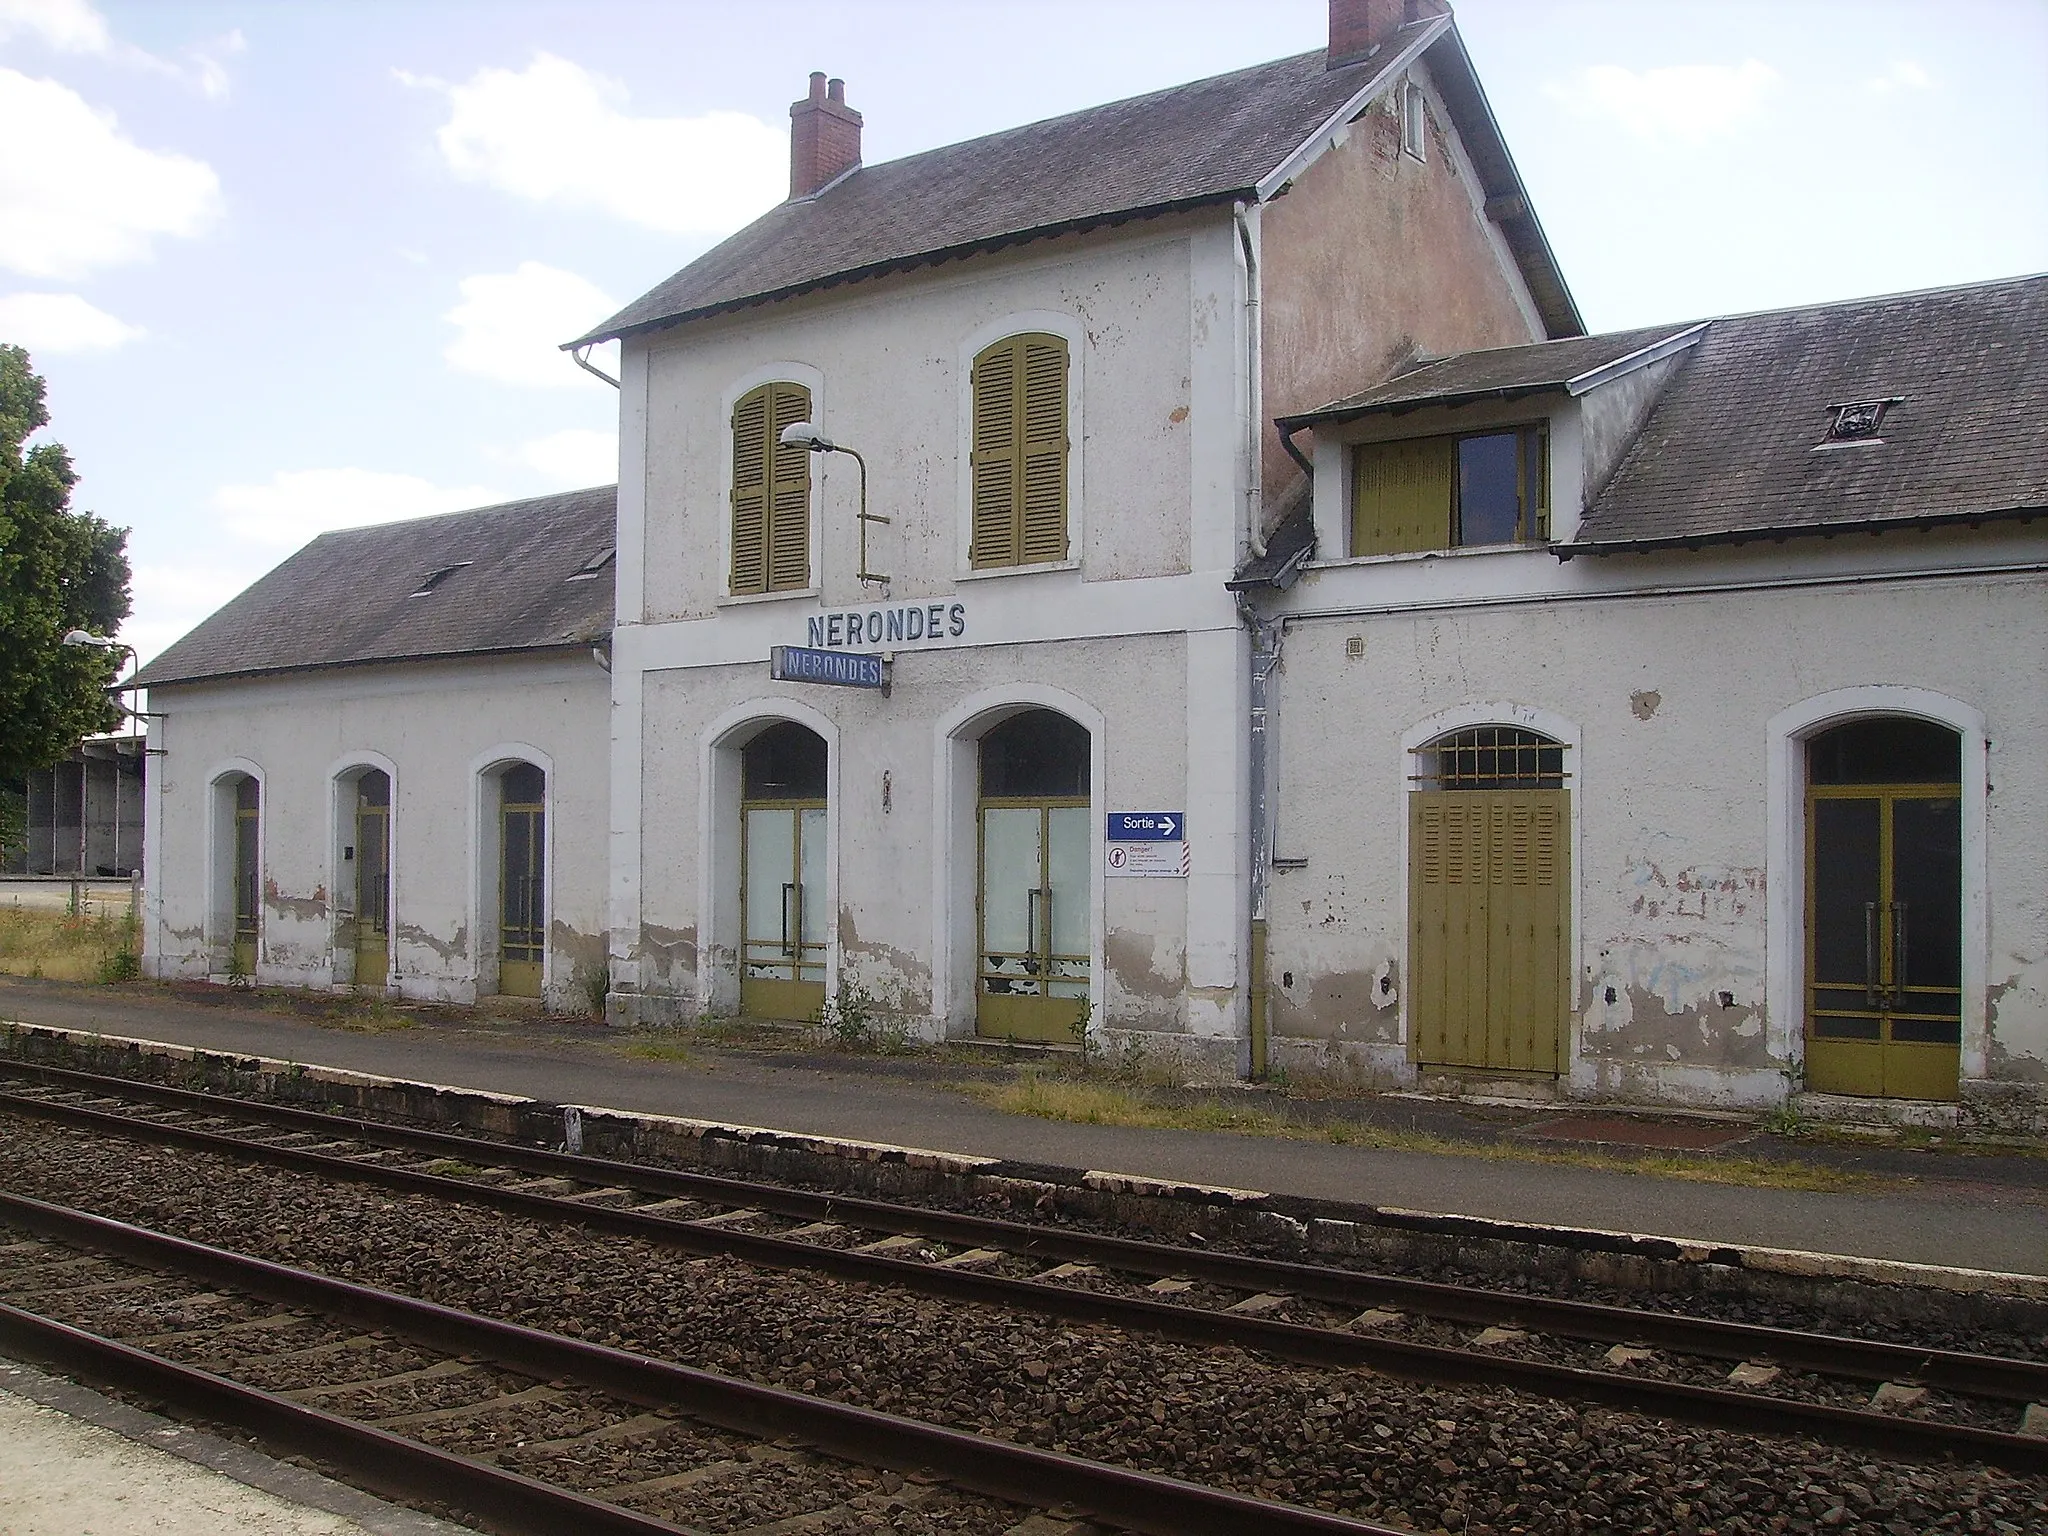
[854, 1021]
[59, 570]
[67, 946]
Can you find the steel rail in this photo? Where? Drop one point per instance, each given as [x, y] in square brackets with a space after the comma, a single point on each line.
[1829, 1354]
[1302, 1343]
[1140, 1501]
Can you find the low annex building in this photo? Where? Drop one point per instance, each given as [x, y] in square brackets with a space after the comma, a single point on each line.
[1097, 578]
[384, 765]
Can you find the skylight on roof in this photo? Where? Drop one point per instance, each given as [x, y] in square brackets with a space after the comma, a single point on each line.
[594, 567]
[434, 578]
[1858, 421]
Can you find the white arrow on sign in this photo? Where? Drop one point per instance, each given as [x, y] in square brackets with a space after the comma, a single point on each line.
[1166, 825]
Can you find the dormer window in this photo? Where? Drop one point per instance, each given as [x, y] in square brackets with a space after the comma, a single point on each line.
[434, 578]
[1451, 492]
[1858, 421]
[594, 567]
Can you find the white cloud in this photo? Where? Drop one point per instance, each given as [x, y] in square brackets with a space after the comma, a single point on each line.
[60, 322]
[86, 196]
[511, 325]
[1904, 75]
[171, 599]
[299, 503]
[578, 457]
[1691, 103]
[69, 26]
[73, 26]
[556, 133]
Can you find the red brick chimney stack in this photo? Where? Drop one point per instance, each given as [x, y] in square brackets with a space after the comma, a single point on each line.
[1357, 27]
[824, 136]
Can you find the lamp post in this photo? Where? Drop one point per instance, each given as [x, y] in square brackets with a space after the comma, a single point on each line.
[805, 434]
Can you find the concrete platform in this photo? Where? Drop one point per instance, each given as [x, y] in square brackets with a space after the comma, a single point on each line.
[1943, 1210]
[74, 1462]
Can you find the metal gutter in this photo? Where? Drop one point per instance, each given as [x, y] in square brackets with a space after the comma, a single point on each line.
[1642, 357]
[579, 644]
[1780, 533]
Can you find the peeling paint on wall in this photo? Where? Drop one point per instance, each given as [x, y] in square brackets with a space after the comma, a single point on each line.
[1644, 702]
[2016, 1016]
[667, 957]
[1147, 977]
[307, 909]
[456, 948]
[897, 979]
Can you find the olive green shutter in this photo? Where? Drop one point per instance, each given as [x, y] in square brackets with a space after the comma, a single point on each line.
[1019, 453]
[771, 492]
[1401, 496]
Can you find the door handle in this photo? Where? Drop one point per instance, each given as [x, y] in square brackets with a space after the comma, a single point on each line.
[1898, 985]
[1037, 906]
[1870, 987]
[788, 890]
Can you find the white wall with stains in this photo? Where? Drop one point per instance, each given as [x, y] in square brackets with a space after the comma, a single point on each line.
[1686, 987]
[436, 728]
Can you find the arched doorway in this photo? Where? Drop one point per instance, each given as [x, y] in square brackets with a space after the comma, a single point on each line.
[368, 854]
[1884, 929]
[522, 879]
[1034, 906]
[1489, 897]
[784, 914]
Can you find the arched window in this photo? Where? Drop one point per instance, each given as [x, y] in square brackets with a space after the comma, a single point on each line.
[1019, 453]
[771, 492]
[1491, 757]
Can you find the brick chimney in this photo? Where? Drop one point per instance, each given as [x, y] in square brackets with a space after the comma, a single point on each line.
[824, 135]
[1359, 27]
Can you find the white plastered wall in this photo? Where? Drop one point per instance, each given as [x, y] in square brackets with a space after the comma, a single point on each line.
[1688, 710]
[434, 728]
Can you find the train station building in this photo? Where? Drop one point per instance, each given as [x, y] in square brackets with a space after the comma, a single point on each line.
[1181, 572]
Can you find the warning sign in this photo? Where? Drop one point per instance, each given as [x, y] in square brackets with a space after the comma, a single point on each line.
[1168, 860]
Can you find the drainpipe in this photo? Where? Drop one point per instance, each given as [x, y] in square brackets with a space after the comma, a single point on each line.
[1254, 472]
[1266, 639]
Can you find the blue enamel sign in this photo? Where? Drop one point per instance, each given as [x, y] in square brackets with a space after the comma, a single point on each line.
[1147, 827]
[840, 669]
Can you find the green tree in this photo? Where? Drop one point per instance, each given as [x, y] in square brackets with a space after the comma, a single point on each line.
[59, 570]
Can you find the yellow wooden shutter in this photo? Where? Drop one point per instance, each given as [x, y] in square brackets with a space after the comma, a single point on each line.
[993, 460]
[750, 492]
[1401, 496]
[1043, 491]
[771, 492]
[789, 493]
[1019, 453]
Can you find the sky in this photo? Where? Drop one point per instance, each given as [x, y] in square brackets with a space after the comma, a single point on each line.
[292, 267]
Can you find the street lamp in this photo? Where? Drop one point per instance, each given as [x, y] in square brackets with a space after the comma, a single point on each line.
[86, 638]
[805, 434]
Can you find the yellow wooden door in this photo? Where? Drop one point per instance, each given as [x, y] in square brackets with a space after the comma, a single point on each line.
[248, 877]
[1489, 882]
[783, 913]
[373, 880]
[522, 877]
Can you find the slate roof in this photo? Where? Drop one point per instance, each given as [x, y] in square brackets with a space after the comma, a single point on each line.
[1728, 451]
[346, 598]
[1496, 373]
[1205, 143]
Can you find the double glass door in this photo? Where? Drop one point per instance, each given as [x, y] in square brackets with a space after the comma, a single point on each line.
[1035, 911]
[784, 914]
[1884, 923]
[373, 879]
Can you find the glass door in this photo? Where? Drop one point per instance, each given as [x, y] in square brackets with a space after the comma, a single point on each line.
[1035, 911]
[373, 879]
[784, 914]
[248, 880]
[1884, 919]
[522, 877]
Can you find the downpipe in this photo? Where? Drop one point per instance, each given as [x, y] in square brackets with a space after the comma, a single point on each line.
[1265, 656]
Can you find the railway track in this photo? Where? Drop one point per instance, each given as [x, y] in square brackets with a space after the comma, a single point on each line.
[1923, 1402]
[533, 1431]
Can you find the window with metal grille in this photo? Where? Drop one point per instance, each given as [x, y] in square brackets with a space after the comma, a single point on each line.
[771, 492]
[1491, 757]
[1019, 453]
[1451, 492]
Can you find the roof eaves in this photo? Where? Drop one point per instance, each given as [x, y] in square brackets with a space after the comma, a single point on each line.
[1779, 533]
[1341, 413]
[242, 674]
[1458, 82]
[1642, 357]
[1078, 225]
[1331, 132]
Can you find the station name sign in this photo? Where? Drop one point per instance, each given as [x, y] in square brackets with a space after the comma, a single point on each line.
[839, 669]
[901, 625]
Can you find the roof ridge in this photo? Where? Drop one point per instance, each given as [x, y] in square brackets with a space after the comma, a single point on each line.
[516, 504]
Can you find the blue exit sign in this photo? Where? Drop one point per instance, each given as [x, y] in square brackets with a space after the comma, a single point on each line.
[1147, 827]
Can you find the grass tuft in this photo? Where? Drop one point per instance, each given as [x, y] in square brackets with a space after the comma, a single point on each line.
[62, 946]
[655, 1048]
